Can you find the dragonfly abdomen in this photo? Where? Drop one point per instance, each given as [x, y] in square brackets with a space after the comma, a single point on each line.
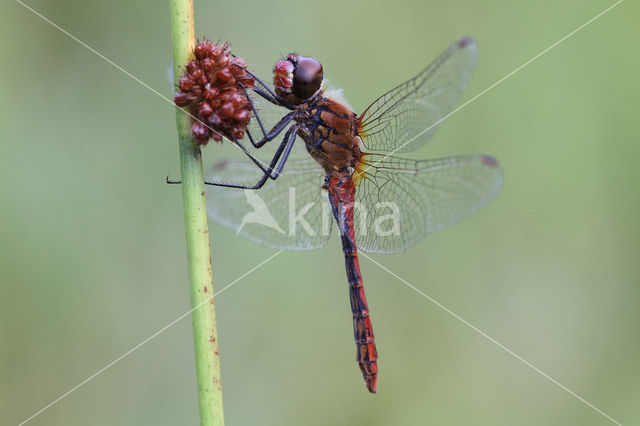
[366, 353]
[341, 197]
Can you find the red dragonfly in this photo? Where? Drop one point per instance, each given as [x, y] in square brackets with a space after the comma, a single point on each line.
[381, 203]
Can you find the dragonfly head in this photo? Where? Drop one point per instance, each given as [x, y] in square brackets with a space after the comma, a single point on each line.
[297, 78]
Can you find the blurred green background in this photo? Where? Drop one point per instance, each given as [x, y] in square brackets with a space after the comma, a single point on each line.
[92, 259]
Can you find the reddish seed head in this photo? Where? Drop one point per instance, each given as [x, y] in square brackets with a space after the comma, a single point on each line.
[222, 60]
[215, 120]
[211, 89]
[191, 67]
[205, 110]
[202, 49]
[196, 75]
[238, 63]
[210, 92]
[200, 131]
[242, 115]
[228, 109]
[208, 64]
[224, 75]
[181, 99]
[237, 99]
[185, 84]
[237, 132]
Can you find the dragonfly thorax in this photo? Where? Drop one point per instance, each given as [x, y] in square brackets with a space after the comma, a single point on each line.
[330, 132]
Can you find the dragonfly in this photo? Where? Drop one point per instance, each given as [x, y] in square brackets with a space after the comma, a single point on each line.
[333, 164]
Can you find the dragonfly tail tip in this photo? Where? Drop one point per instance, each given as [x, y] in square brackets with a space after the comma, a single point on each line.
[372, 384]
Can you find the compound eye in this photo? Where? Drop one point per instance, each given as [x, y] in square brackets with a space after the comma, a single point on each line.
[307, 77]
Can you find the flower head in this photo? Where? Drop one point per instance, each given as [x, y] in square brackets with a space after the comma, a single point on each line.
[212, 88]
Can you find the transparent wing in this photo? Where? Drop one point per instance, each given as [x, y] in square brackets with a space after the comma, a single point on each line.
[290, 213]
[406, 117]
[399, 201]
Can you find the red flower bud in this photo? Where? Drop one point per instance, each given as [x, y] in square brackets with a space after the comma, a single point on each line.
[208, 64]
[200, 131]
[223, 76]
[215, 120]
[210, 87]
[242, 115]
[181, 99]
[227, 109]
[205, 110]
[185, 84]
[210, 92]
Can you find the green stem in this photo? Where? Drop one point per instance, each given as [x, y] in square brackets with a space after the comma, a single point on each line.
[205, 335]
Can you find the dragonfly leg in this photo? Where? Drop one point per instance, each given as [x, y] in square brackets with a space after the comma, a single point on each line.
[275, 167]
[268, 95]
[268, 171]
[273, 133]
[267, 136]
[257, 162]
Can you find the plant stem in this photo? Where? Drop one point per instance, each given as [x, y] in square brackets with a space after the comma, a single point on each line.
[205, 335]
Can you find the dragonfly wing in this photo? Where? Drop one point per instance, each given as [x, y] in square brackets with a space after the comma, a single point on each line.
[400, 201]
[290, 213]
[407, 116]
